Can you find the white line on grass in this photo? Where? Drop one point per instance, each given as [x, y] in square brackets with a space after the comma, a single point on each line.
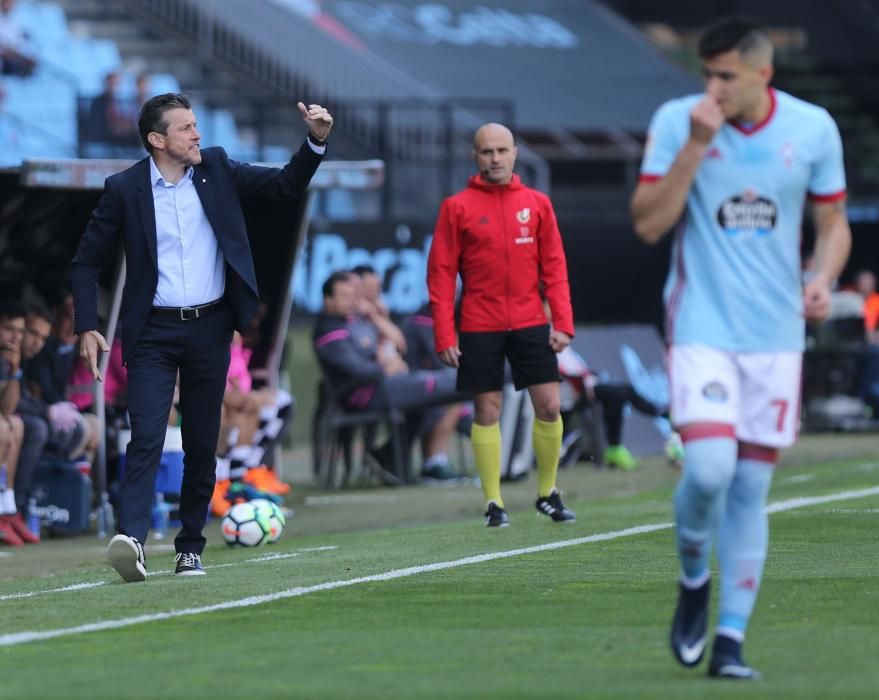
[854, 511]
[63, 589]
[24, 637]
[796, 479]
[793, 503]
[94, 584]
[347, 499]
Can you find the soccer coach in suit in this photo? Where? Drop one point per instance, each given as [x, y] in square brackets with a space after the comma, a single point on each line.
[189, 282]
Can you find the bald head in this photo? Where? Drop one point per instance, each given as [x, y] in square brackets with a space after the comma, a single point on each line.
[494, 150]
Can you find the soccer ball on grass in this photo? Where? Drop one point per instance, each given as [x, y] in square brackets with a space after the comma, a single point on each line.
[247, 525]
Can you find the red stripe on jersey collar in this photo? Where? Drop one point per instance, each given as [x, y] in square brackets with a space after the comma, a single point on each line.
[754, 128]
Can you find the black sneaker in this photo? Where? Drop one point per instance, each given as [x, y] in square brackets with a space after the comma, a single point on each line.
[552, 507]
[126, 557]
[726, 661]
[689, 629]
[496, 516]
[188, 564]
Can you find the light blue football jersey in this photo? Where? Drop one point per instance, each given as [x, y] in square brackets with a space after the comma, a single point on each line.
[735, 275]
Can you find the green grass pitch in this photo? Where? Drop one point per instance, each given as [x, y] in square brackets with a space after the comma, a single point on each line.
[588, 620]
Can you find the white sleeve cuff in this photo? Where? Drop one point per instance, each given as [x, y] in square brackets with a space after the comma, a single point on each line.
[320, 150]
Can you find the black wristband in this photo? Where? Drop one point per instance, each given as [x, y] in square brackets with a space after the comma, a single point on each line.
[316, 141]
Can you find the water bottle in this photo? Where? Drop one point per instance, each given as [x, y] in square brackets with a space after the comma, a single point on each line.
[33, 517]
[160, 517]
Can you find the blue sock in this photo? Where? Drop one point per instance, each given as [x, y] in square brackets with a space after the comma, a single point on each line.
[741, 545]
[709, 465]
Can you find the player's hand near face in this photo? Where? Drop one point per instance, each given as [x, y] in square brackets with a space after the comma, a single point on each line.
[705, 120]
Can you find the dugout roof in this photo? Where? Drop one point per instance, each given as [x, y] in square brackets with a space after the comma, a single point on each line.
[563, 64]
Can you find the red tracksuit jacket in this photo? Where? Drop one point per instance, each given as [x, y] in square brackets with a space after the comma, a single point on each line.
[503, 240]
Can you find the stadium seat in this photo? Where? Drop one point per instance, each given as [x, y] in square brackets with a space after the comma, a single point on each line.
[42, 22]
[163, 82]
[335, 430]
[41, 117]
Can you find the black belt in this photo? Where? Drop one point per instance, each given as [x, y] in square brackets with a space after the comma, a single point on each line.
[188, 313]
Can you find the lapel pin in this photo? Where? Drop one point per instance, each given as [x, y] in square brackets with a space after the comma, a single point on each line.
[203, 180]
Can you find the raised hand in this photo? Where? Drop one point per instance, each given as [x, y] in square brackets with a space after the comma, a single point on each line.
[318, 119]
[706, 118]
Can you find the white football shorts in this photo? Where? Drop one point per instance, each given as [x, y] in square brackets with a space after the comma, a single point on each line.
[756, 392]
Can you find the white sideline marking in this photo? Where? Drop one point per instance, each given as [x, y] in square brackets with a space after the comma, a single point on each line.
[854, 511]
[24, 637]
[347, 499]
[796, 479]
[95, 584]
[793, 503]
[72, 587]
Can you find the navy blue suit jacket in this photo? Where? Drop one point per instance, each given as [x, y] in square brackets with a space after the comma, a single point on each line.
[126, 210]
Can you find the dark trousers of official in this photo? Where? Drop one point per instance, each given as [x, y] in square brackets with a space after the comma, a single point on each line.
[199, 349]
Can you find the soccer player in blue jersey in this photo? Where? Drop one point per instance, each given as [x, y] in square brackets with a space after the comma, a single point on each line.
[735, 165]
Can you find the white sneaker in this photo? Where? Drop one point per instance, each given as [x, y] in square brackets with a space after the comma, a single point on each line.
[126, 557]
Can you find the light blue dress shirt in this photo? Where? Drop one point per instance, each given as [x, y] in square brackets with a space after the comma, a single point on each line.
[191, 265]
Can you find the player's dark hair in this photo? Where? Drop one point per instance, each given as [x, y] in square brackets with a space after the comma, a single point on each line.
[733, 33]
[152, 115]
[329, 287]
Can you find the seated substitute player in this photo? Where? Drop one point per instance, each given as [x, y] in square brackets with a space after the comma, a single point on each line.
[503, 239]
[738, 161]
[364, 379]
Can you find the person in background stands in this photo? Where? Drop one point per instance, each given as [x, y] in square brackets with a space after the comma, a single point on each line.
[13, 530]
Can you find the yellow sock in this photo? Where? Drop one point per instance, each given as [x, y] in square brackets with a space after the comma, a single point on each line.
[547, 440]
[486, 441]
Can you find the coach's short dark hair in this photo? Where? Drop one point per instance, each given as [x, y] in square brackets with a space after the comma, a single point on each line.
[152, 115]
[329, 288]
[734, 33]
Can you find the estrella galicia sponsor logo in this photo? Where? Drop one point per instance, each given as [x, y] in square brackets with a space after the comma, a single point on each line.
[748, 215]
[715, 391]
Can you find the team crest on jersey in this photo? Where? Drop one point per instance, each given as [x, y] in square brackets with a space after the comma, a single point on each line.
[523, 216]
[715, 391]
[747, 215]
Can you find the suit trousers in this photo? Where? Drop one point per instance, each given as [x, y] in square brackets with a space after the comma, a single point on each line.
[199, 350]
